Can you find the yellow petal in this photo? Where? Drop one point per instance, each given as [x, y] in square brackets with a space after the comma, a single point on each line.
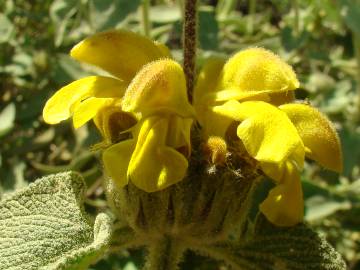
[155, 166]
[204, 98]
[179, 134]
[257, 69]
[237, 94]
[166, 53]
[284, 204]
[318, 135]
[207, 78]
[267, 134]
[215, 124]
[59, 106]
[122, 53]
[116, 161]
[87, 109]
[159, 86]
[206, 84]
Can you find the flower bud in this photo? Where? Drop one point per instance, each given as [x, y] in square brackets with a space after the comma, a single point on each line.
[216, 149]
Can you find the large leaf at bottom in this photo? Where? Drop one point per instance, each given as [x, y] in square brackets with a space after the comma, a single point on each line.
[277, 248]
[44, 226]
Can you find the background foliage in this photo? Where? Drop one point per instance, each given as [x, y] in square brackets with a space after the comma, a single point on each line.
[320, 38]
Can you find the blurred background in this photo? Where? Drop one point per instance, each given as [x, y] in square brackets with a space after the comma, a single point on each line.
[319, 38]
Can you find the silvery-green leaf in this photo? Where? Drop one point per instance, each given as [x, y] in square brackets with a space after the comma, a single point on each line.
[351, 12]
[44, 226]
[321, 202]
[7, 118]
[6, 29]
[208, 32]
[106, 14]
[165, 14]
[272, 248]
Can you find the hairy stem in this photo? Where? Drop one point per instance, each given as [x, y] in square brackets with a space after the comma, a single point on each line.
[146, 24]
[189, 44]
[164, 253]
[125, 237]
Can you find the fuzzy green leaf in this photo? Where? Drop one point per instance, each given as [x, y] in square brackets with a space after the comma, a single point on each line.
[278, 248]
[44, 226]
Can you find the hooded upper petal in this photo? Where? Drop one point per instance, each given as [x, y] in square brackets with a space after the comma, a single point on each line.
[317, 133]
[122, 53]
[257, 69]
[61, 105]
[159, 86]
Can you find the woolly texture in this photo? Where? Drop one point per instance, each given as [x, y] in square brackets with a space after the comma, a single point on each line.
[44, 226]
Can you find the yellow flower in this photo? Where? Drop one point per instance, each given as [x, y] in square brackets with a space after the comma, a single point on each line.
[252, 74]
[150, 160]
[247, 89]
[122, 54]
[156, 156]
[142, 112]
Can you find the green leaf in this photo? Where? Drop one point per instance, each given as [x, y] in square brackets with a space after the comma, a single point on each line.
[7, 118]
[6, 29]
[320, 202]
[105, 14]
[350, 141]
[224, 8]
[278, 248]
[12, 178]
[44, 226]
[290, 41]
[60, 13]
[319, 207]
[351, 14]
[165, 14]
[66, 69]
[208, 29]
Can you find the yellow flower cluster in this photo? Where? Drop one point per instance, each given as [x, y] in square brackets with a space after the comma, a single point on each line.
[145, 117]
[142, 112]
[254, 88]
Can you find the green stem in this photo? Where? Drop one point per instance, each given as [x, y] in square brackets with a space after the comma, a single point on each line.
[224, 8]
[125, 237]
[146, 24]
[182, 9]
[356, 44]
[296, 17]
[189, 43]
[165, 253]
[252, 11]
